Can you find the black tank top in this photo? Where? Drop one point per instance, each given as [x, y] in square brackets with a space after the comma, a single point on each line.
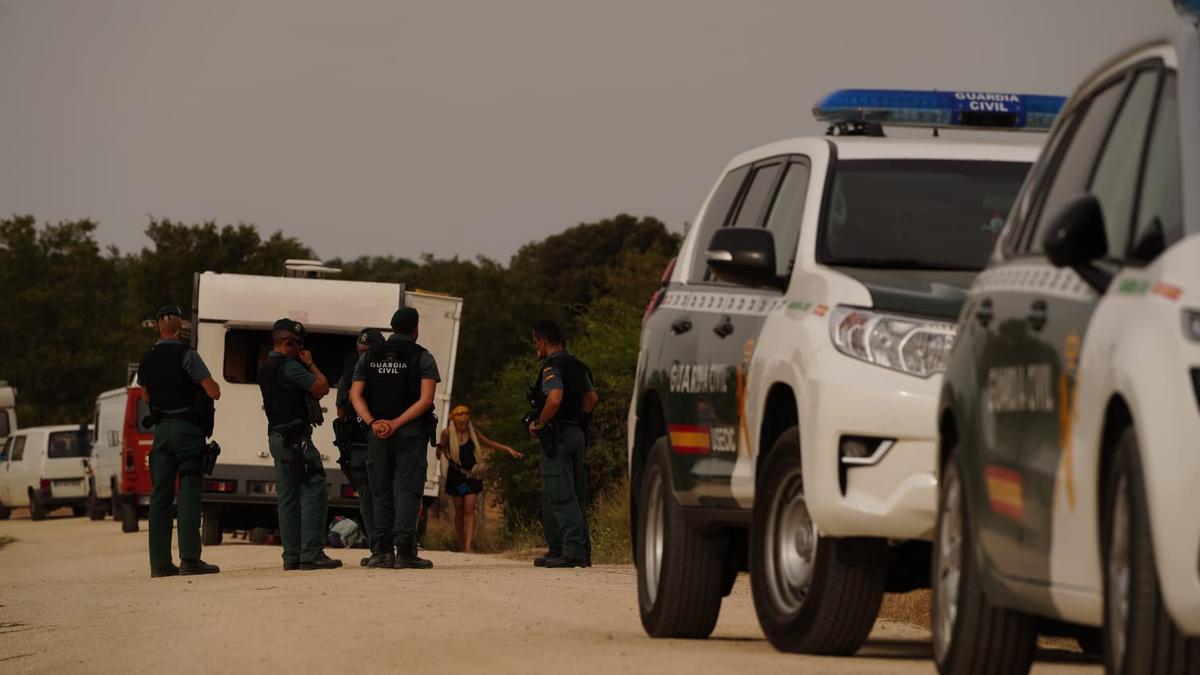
[466, 455]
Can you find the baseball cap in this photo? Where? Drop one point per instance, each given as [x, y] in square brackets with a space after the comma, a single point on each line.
[370, 336]
[290, 326]
[167, 310]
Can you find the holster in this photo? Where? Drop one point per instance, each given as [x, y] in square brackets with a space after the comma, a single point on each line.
[211, 452]
[297, 439]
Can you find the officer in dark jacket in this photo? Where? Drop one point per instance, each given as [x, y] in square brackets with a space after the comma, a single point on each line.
[393, 393]
[291, 384]
[179, 390]
[352, 433]
[564, 397]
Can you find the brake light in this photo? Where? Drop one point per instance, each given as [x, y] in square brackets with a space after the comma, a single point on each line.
[45, 486]
[657, 298]
[220, 486]
[348, 491]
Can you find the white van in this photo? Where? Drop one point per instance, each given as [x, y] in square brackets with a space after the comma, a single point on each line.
[44, 468]
[8, 410]
[108, 434]
[232, 319]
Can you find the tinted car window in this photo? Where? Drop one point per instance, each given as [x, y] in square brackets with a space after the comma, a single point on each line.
[66, 444]
[1160, 208]
[4, 450]
[786, 213]
[715, 216]
[1068, 178]
[1115, 180]
[4, 430]
[917, 214]
[762, 185]
[18, 449]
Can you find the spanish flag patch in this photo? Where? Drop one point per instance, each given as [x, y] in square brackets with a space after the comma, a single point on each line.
[690, 439]
[1004, 492]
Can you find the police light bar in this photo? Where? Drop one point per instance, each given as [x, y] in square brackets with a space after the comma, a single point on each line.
[945, 109]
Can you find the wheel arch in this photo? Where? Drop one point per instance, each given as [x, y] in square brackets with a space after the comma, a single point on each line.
[651, 424]
[1117, 417]
[780, 412]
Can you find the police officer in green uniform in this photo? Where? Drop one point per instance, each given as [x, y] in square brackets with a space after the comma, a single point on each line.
[565, 398]
[392, 392]
[177, 386]
[352, 433]
[291, 384]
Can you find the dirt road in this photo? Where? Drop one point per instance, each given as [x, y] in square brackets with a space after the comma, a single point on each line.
[75, 596]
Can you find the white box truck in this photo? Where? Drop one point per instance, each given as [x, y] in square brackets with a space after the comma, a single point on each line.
[232, 317]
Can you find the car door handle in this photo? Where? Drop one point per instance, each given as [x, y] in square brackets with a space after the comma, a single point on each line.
[724, 327]
[1037, 315]
[681, 326]
[984, 313]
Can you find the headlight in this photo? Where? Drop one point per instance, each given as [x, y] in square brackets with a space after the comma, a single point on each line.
[914, 346]
[1191, 324]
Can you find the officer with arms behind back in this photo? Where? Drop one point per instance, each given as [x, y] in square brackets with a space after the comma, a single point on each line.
[180, 391]
[352, 433]
[393, 393]
[291, 385]
[563, 398]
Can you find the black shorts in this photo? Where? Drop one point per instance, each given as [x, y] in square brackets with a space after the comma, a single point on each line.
[458, 485]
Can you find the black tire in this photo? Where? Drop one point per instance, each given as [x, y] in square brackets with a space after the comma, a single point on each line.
[129, 514]
[5, 512]
[37, 510]
[679, 591]
[114, 505]
[1146, 641]
[834, 610]
[1091, 642]
[976, 638]
[210, 527]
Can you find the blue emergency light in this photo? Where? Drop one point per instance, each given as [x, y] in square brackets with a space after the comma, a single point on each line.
[944, 109]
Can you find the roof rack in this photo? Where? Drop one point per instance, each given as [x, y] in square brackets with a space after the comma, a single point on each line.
[308, 269]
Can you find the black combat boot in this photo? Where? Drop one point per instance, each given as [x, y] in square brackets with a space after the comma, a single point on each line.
[197, 566]
[321, 562]
[168, 571]
[410, 561]
[387, 560]
[563, 561]
[540, 561]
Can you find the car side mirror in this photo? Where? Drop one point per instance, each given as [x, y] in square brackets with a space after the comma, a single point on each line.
[1077, 239]
[744, 256]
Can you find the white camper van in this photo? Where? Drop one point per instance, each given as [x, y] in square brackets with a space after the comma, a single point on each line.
[232, 317]
[44, 468]
[8, 410]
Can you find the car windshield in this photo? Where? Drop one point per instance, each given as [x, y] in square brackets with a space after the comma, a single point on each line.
[917, 214]
[66, 444]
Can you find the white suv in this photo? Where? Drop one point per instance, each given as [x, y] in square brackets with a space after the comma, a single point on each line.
[783, 418]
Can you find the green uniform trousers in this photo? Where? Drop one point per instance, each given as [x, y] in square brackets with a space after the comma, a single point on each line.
[178, 451]
[302, 498]
[362, 486]
[396, 466]
[564, 493]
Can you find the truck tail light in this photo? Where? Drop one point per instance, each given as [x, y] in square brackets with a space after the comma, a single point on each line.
[348, 491]
[225, 487]
[44, 484]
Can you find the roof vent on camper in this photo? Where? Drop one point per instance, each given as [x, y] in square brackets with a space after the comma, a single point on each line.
[308, 269]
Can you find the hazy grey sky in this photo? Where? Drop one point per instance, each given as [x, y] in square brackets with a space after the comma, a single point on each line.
[469, 128]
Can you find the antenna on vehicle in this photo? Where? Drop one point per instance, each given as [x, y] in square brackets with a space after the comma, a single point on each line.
[308, 269]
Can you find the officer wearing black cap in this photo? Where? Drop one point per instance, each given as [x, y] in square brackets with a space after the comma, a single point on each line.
[564, 398]
[291, 384]
[392, 392]
[352, 433]
[179, 390]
